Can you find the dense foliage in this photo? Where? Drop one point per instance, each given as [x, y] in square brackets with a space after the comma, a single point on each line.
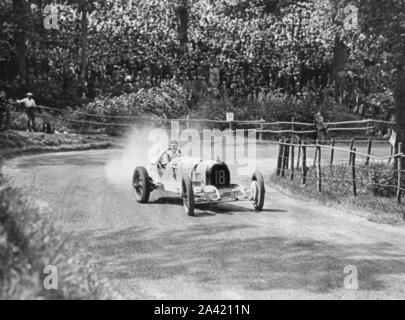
[238, 50]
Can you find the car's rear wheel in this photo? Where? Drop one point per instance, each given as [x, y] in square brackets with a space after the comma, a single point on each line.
[187, 195]
[258, 191]
[142, 185]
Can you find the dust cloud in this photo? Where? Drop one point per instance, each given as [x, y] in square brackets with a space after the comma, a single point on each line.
[140, 146]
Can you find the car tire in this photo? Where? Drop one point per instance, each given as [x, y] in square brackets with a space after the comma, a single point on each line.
[259, 191]
[142, 185]
[188, 196]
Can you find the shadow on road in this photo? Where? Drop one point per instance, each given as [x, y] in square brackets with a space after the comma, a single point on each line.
[204, 210]
[213, 255]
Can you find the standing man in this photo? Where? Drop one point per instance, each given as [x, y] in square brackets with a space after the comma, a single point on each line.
[320, 127]
[29, 105]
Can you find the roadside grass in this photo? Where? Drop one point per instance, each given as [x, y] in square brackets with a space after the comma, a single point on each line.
[21, 139]
[19, 143]
[29, 241]
[379, 203]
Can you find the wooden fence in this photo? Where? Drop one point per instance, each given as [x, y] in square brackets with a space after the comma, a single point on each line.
[289, 166]
[299, 128]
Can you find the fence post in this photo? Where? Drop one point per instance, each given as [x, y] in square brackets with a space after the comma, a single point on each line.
[283, 159]
[292, 161]
[280, 156]
[316, 154]
[370, 146]
[353, 158]
[318, 167]
[299, 153]
[351, 149]
[399, 166]
[332, 153]
[261, 133]
[287, 155]
[304, 164]
[292, 129]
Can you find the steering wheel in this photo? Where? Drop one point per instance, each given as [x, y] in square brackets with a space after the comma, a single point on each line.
[164, 165]
[169, 159]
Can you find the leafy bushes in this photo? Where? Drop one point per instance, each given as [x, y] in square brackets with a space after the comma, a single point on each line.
[384, 181]
[28, 243]
[272, 108]
[167, 101]
[278, 107]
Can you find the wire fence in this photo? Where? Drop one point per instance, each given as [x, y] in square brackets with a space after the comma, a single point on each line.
[362, 171]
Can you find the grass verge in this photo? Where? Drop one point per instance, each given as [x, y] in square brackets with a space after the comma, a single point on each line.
[337, 189]
[29, 242]
[14, 143]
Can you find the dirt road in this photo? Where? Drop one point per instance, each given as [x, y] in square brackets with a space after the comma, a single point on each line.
[292, 250]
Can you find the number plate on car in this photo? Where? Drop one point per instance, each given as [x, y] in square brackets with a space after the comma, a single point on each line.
[233, 194]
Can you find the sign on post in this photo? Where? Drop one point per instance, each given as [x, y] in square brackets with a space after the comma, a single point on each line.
[230, 117]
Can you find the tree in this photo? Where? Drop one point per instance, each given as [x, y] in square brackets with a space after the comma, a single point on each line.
[84, 7]
[20, 9]
[385, 21]
[182, 14]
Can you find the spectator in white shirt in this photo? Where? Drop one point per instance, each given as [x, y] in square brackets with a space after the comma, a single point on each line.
[29, 104]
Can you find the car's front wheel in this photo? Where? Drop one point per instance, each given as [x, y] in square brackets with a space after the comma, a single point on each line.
[258, 191]
[142, 185]
[188, 196]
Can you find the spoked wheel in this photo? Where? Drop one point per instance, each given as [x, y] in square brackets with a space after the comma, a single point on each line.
[187, 195]
[258, 191]
[141, 184]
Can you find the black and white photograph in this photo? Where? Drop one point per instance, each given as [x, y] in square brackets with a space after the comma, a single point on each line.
[226, 151]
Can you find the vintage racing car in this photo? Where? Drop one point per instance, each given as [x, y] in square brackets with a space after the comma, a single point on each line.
[197, 181]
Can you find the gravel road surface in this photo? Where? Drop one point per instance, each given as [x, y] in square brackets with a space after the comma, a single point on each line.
[292, 250]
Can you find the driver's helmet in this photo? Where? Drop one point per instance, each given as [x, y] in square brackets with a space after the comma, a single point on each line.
[174, 146]
[174, 150]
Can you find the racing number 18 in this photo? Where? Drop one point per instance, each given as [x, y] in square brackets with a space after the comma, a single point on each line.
[220, 177]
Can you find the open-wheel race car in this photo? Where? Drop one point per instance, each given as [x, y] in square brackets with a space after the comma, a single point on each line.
[196, 181]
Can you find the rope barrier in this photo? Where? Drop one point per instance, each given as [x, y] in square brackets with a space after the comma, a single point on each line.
[98, 115]
[144, 118]
[348, 141]
[98, 123]
[279, 123]
[253, 122]
[359, 122]
[351, 129]
[287, 131]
